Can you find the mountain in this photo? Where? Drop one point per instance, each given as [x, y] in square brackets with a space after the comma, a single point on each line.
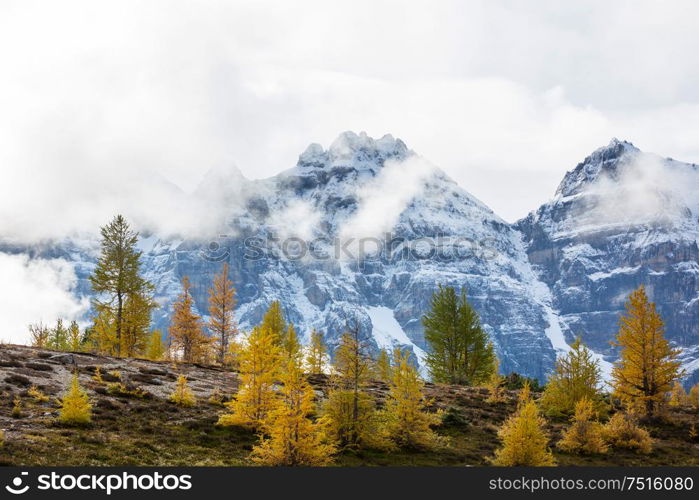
[619, 219]
[363, 232]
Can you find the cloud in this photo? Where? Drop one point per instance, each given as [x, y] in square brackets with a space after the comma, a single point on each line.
[647, 189]
[382, 200]
[103, 102]
[35, 290]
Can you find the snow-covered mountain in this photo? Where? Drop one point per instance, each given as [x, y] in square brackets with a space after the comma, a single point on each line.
[364, 232]
[620, 219]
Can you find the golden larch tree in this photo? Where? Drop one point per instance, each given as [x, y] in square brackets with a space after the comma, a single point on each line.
[384, 370]
[694, 396]
[75, 405]
[317, 353]
[349, 408]
[407, 423]
[186, 333]
[182, 395]
[291, 347]
[576, 376]
[524, 439]
[678, 396]
[585, 432]
[221, 305]
[293, 438]
[647, 365]
[155, 350]
[259, 367]
[274, 321]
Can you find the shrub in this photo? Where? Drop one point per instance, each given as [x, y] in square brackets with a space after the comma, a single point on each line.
[17, 408]
[623, 431]
[37, 395]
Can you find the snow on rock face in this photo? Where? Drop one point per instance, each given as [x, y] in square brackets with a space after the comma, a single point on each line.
[620, 219]
[335, 209]
[308, 238]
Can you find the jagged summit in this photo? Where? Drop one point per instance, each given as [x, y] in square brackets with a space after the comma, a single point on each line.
[351, 148]
[606, 159]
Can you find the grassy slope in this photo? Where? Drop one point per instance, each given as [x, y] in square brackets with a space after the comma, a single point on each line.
[151, 431]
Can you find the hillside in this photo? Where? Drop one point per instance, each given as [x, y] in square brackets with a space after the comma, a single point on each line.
[140, 427]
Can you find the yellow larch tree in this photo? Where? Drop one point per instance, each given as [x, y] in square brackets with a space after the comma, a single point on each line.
[221, 305]
[317, 353]
[384, 370]
[182, 395]
[678, 396]
[155, 350]
[274, 321]
[407, 423]
[585, 434]
[185, 330]
[259, 366]
[694, 396]
[524, 439]
[495, 384]
[75, 407]
[623, 431]
[291, 347]
[293, 439]
[576, 376]
[647, 365]
[349, 408]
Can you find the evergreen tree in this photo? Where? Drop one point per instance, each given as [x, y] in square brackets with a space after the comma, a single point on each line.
[317, 353]
[117, 275]
[155, 349]
[185, 330]
[259, 367]
[460, 352]
[221, 304]
[647, 365]
[75, 405]
[576, 376]
[274, 321]
[585, 435]
[294, 439]
[525, 442]
[351, 410]
[407, 424]
[182, 395]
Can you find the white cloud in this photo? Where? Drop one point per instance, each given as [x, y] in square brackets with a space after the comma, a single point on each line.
[35, 290]
[102, 101]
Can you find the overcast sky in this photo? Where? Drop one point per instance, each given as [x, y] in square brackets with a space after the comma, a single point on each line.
[97, 99]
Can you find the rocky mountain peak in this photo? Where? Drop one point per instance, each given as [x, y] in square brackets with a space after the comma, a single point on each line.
[605, 160]
[350, 148]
